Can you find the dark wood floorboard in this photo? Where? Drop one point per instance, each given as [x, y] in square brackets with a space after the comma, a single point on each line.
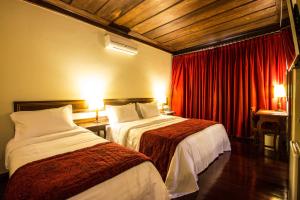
[244, 173]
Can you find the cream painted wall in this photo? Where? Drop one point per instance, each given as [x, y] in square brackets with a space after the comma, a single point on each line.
[48, 56]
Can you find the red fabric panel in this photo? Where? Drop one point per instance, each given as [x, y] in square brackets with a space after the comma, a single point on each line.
[160, 144]
[65, 175]
[221, 84]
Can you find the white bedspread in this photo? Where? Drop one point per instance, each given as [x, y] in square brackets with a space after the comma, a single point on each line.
[191, 156]
[140, 182]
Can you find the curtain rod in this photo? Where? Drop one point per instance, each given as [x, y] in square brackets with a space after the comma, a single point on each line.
[232, 42]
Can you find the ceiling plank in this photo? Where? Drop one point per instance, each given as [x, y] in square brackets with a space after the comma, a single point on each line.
[116, 8]
[223, 27]
[67, 1]
[201, 14]
[218, 19]
[173, 25]
[144, 11]
[235, 38]
[170, 14]
[90, 6]
[243, 29]
[61, 7]
[143, 38]
[229, 33]
[78, 11]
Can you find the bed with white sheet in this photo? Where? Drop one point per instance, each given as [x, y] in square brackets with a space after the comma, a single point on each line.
[192, 155]
[140, 182]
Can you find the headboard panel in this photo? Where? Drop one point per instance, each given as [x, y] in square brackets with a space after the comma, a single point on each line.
[116, 102]
[78, 105]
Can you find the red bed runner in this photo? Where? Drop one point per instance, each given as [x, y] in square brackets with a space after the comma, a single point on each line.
[65, 175]
[160, 144]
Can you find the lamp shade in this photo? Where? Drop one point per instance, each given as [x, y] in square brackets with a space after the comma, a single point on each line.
[95, 104]
[279, 91]
[161, 99]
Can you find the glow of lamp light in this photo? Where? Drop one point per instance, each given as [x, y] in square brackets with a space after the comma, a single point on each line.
[95, 103]
[279, 91]
[160, 95]
[92, 91]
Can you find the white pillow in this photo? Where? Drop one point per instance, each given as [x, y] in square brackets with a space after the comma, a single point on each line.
[37, 123]
[124, 113]
[148, 109]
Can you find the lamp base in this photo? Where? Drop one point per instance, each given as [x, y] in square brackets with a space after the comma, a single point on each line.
[97, 116]
[279, 104]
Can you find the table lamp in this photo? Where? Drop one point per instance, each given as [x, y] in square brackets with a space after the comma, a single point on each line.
[279, 92]
[96, 105]
[161, 100]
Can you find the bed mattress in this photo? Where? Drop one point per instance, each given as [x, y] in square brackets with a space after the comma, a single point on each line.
[191, 157]
[140, 182]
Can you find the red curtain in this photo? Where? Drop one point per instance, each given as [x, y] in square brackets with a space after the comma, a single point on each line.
[222, 84]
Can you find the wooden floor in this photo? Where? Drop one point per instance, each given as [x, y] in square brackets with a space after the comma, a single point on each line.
[242, 174]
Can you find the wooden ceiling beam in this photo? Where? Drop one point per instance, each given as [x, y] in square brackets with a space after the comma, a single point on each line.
[170, 14]
[143, 38]
[172, 25]
[144, 11]
[198, 40]
[198, 15]
[223, 17]
[91, 6]
[236, 30]
[67, 1]
[229, 26]
[116, 8]
[198, 32]
[235, 38]
[66, 9]
[76, 11]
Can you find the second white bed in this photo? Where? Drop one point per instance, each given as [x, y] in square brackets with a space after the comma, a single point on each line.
[191, 156]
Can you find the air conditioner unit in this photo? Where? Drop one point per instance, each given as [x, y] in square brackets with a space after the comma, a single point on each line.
[118, 43]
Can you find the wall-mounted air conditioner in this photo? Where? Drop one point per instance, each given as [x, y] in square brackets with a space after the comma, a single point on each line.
[118, 43]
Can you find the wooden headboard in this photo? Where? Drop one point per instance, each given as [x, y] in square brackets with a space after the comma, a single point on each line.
[116, 102]
[78, 105]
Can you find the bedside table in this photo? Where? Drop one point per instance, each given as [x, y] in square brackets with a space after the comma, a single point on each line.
[96, 127]
[170, 112]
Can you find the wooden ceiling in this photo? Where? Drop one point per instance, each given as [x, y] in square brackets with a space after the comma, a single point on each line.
[175, 25]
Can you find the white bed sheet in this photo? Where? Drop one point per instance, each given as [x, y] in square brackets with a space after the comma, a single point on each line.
[140, 182]
[191, 156]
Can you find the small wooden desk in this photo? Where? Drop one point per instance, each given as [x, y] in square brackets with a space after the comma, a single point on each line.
[271, 116]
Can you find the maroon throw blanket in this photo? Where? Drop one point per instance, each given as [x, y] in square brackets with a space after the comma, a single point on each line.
[68, 174]
[160, 144]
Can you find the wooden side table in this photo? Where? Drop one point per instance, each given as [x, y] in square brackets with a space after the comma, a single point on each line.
[272, 117]
[95, 127]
